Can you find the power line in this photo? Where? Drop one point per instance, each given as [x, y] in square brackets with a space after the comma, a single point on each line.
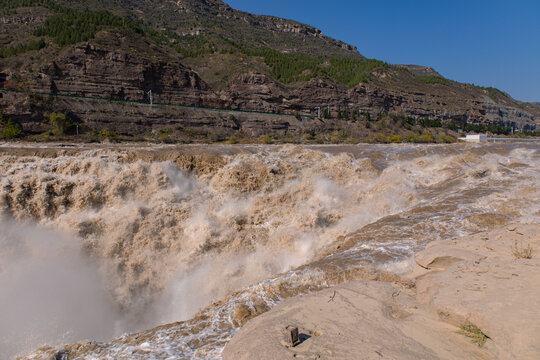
[154, 103]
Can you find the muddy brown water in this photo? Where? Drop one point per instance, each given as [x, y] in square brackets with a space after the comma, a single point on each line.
[105, 241]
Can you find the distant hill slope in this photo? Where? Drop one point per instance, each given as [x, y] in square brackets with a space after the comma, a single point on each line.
[204, 53]
[216, 25]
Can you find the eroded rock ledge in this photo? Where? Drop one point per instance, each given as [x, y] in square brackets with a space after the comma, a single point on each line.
[485, 279]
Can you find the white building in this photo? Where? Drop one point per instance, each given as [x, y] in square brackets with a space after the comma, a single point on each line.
[475, 138]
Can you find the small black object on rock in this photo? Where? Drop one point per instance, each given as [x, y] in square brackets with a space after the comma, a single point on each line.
[292, 336]
[62, 355]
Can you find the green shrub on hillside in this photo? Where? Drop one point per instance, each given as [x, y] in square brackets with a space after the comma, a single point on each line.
[481, 128]
[415, 138]
[60, 122]
[13, 4]
[10, 129]
[291, 67]
[430, 123]
[433, 79]
[366, 116]
[412, 137]
[451, 125]
[107, 134]
[446, 139]
[69, 26]
[22, 48]
[349, 71]
[338, 137]
[380, 138]
[288, 68]
[396, 139]
[326, 114]
[534, 133]
[426, 137]
[193, 45]
[493, 93]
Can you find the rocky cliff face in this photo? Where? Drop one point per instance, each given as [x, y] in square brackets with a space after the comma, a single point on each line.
[257, 91]
[122, 65]
[91, 72]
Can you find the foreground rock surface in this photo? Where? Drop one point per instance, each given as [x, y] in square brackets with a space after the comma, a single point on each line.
[480, 280]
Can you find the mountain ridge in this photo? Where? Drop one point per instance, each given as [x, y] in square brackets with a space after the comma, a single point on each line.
[204, 53]
[182, 17]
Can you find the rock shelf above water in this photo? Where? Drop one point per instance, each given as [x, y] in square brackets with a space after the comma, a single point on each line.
[481, 280]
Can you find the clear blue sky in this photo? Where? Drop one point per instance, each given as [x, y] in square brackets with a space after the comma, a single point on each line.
[485, 42]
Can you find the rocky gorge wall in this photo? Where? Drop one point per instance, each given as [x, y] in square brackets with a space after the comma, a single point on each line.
[92, 72]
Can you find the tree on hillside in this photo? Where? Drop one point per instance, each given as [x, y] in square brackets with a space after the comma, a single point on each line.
[60, 122]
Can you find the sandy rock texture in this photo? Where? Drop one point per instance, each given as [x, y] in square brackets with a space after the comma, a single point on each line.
[486, 279]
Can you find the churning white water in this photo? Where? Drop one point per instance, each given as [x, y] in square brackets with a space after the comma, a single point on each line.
[98, 242]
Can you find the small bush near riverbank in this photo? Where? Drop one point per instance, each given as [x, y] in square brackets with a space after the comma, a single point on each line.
[107, 134]
[474, 333]
[522, 252]
[395, 139]
[10, 129]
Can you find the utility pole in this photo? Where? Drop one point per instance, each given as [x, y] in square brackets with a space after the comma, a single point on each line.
[151, 100]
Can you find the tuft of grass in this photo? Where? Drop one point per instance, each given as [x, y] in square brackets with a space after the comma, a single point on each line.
[522, 252]
[474, 333]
